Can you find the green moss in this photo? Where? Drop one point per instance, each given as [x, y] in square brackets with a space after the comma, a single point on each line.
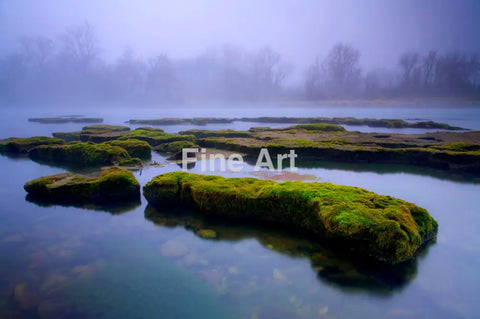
[382, 227]
[104, 128]
[134, 147]
[149, 128]
[67, 136]
[81, 153]
[206, 233]
[134, 161]
[94, 133]
[174, 147]
[320, 127]
[113, 184]
[155, 138]
[23, 145]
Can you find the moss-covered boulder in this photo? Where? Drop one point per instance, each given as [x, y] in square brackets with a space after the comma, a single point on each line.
[112, 185]
[382, 227]
[320, 127]
[134, 147]
[80, 153]
[156, 137]
[94, 133]
[25, 144]
[174, 147]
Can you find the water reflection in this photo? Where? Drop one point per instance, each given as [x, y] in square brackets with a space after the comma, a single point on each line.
[112, 208]
[333, 266]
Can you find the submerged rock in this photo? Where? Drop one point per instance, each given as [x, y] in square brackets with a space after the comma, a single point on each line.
[388, 230]
[112, 185]
[26, 296]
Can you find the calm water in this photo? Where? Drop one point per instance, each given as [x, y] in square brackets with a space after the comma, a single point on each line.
[137, 262]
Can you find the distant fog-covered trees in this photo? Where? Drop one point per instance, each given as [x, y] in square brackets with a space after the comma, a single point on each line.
[73, 68]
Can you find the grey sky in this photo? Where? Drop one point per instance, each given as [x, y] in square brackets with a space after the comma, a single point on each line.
[300, 30]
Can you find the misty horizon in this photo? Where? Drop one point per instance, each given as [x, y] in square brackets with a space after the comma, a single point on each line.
[241, 51]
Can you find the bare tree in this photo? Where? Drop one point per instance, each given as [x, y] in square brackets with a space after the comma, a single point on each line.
[80, 46]
[408, 62]
[269, 71]
[342, 70]
[429, 62]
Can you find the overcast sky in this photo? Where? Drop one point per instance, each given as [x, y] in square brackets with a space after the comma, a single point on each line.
[300, 30]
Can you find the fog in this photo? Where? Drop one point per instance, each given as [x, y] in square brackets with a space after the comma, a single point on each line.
[238, 50]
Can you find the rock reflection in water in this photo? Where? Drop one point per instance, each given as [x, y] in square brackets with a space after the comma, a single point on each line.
[112, 208]
[333, 266]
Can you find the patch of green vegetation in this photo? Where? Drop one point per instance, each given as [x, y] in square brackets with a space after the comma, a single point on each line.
[67, 136]
[25, 144]
[320, 127]
[80, 153]
[219, 133]
[457, 147]
[206, 233]
[97, 129]
[113, 184]
[134, 161]
[174, 147]
[94, 133]
[155, 138]
[387, 229]
[134, 147]
[149, 128]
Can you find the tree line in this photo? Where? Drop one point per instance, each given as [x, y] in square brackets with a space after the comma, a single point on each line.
[72, 69]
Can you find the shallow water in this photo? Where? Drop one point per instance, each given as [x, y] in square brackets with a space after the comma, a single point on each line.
[137, 262]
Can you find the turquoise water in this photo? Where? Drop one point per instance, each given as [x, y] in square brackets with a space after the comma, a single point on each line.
[137, 262]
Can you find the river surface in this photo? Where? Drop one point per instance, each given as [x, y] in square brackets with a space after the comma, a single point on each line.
[137, 262]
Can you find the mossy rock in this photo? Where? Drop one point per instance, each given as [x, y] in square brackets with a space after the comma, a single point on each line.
[94, 133]
[156, 137]
[174, 147]
[320, 127]
[382, 227]
[104, 128]
[134, 161]
[112, 185]
[134, 147]
[25, 144]
[68, 136]
[80, 153]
